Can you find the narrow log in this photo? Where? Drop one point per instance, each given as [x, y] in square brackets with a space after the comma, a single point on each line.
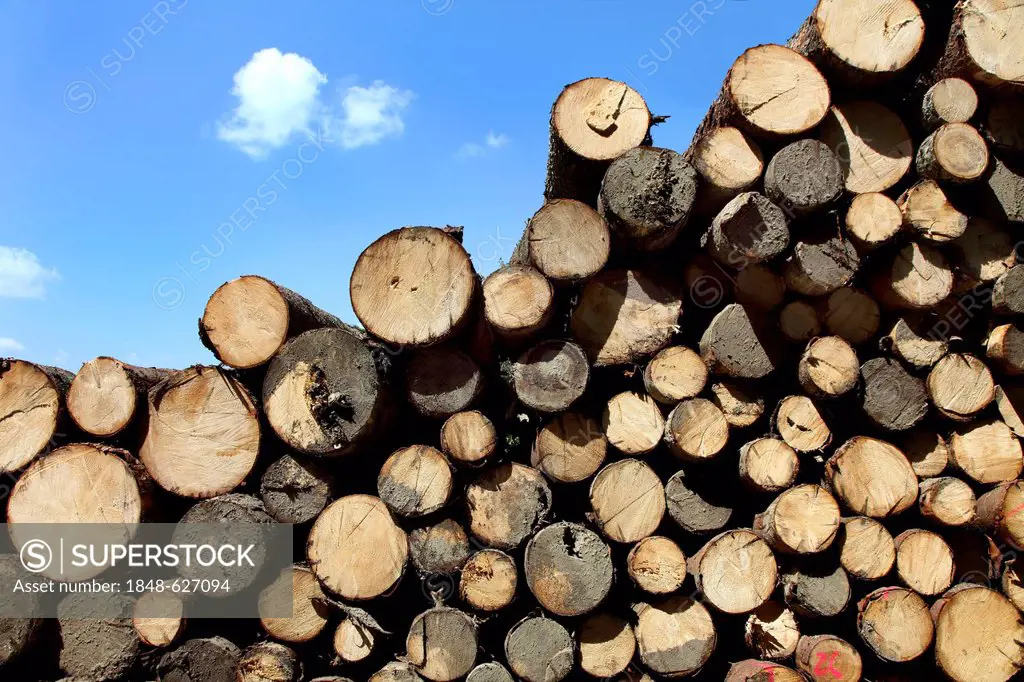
[442, 644]
[415, 481]
[872, 145]
[802, 520]
[771, 631]
[628, 500]
[593, 121]
[566, 240]
[568, 568]
[816, 590]
[323, 393]
[31, 410]
[828, 367]
[675, 373]
[506, 505]
[801, 425]
[827, 657]
[911, 340]
[798, 322]
[728, 162]
[924, 562]
[893, 398]
[696, 430]
[439, 549]
[353, 642]
[441, 381]
[294, 490]
[296, 591]
[624, 316]
[978, 635]
[268, 662]
[538, 649]
[633, 423]
[948, 501]
[518, 301]
[657, 565]
[488, 580]
[94, 648]
[873, 219]
[607, 645]
[741, 409]
[355, 549]
[960, 386]
[999, 512]
[820, 264]
[695, 506]
[731, 345]
[735, 571]
[759, 286]
[928, 212]
[987, 451]
[768, 465]
[1005, 347]
[647, 195]
[866, 549]
[550, 376]
[749, 229]
[200, 660]
[675, 637]
[956, 152]
[570, 448]
[158, 619]
[928, 453]
[980, 44]
[804, 176]
[107, 395]
[469, 437]
[951, 100]
[413, 286]
[872, 478]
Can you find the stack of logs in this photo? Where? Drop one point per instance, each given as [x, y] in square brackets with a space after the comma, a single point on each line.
[749, 412]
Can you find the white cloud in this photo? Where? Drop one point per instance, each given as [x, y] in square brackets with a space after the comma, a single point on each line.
[279, 98]
[496, 141]
[22, 275]
[491, 141]
[8, 345]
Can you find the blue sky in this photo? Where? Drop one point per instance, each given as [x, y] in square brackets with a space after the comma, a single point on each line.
[155, 150]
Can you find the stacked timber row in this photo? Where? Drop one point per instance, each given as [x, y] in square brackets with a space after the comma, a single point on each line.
[746, 411]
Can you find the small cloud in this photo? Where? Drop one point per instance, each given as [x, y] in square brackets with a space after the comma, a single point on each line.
[372, 114]
[22, 275]
[469, 150]
[496, 141]
[8, 345]
[474, 149]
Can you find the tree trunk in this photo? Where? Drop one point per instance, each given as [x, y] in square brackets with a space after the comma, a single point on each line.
[872, 477]
[550, 376]
[951, 100]
[566, 240]
[873, 219]
[893, 398]
[749, 229]
[268, 662]
[872, 145]
[828, 367]
[538, 649]
[924, 562]
[697, 507]
[802, 520]
[676, 373]
[804, 177]
[607, 645]
[442, 644]
[735, 571]
[469, 437]
[928, 212]
[415, 481]
[955, 152]
[488, 580]
[506, 505]
[570, 448]
[657, 565]
[948, 501]
[768, 465]
[200, 660]
[294, 490]
[107, 395]
[866, 549]
[696, 430]
[441, 381]
[801, 425]
[568, 569]
[628, 500]
[895, 624]
[675, 637]
[518, 301]
[31, 410]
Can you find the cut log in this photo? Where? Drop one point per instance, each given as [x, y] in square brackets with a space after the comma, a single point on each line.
[739, 407]
[999, 512]
[1001, 192]
[771, 631]
[628, 500]
[623, 316]
[872, 145]
[866, 549]
[735, 571]
[861, 42]
[676, 637]
[540, 650]
[675, 373]
[439, 549]
[951, 100]
[816, 590]
[828, 367]
[731, 345]
[550, 376]
[355, 549]
[200, 660]
[395, 672]
[295, 592]
[31, 410]
[1008, 292]
[106, 395]
[93, 648]
[488, 580]
[728, 162]
[919, 277]
[986, 251]
[441, 381]
[912, 341]
[978, 635]
[770, 91]
[893, 398]
[158, 618]
[820, 264]
[469, 437]
[570, 448]
[1005, 347]
[518, 301]
[760, 671]
[506, 505]
[568, 568]
[749, 229]
[607, 645]
[980, 43]
[566, 240]
[413, 286]
[759, 286]
[696, 430]
[1010, 404]
[960, 386]
[489, 672]
[768, 465]
[415, 481]
[929, 214]
[827, 657]
[803, 177]
[872, 478]
[442, 644]
[268, 662]
[294, 490]
[851, 315]
[647, 195]
[633, 423]
[948, 501]
[801, 425]
[657, 565]
[593, 121]
[353, 642]
[324, 393]
[924, 562]
[987, 452]
[697, 508]
[873, 219]
[798, 322]
[802, 520]
[927, 452]
[956, 152]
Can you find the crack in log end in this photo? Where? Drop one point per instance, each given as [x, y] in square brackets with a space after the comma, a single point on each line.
[331, 410]
[569, 540]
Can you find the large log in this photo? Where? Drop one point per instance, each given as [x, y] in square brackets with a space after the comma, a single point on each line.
[735, 571]
[981, 45]
[506, 505]
[657, 565]
[268, 662]
[675, 637]
[439, 549]
[960, 386]
[987, 451]
[893, 398]
[676, 373]
[816, 589]
[978, 635]
[948, 501]
[732, 345]
[827, 657]
[570, 448]
[31, 410]
[929, 213]
[820, 264]
[951, 100]
[955, 152]
[628, 500]
[800, 424]
[771, 631]
[633, 423]
[442, 380]
[872, 477]
[488, 580]
[415, 481]
[469, 437]
[802, 520]
[297, 592]
[866, 549]
[607, 645]
[540, 650]
[873, 219]
[828, 367]
[852, 314]
[550, 376]
[518, 301]
[695, 506]
[107, 395]
[924, 561]
[94, 648]
[568, 568]
[768, 465]
[804, 177]
[441, 644]
[566, 240]
[999, 512]
[729, 163]
[294, 490]
[895, 624]
[748, 230]
[871, 143]
[200, 660]
[158, 618]
[696, 430]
